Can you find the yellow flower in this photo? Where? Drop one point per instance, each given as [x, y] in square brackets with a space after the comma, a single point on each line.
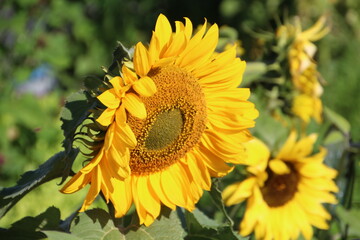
[302, 49]
[285, 194]
[174, 121]
[306, 107]
[303, 68]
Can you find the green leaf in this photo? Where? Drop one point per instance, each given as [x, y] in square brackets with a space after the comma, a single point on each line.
[334, 137]
[167, 227]
[339, 121]
[199, 226]
[120, 55]
[76, 110]
[93, 83]
[350, 217]
[216, 196]
[30, 227]
[56, 235]
[51, 169]
[95, 224]
[268, 129]
[253, 72]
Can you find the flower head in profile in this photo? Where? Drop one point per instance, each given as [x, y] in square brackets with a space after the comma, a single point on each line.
[303, 68]
[173, 120]
[284, 194]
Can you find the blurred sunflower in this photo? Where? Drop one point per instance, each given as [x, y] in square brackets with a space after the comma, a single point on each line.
[303, 68]
[174, 118]
[285, 194]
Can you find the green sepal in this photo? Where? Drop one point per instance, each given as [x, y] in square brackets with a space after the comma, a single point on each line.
[121, 54]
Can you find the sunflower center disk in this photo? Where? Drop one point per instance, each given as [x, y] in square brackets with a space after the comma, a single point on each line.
[176, 118]
[279, 189]
[165, 130]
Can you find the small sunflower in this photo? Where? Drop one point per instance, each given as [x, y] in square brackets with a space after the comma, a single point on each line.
[174, 118]
[302, 49]
[303, 68]
[285, 194]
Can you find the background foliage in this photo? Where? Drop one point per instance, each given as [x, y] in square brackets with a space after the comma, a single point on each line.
[47, 47]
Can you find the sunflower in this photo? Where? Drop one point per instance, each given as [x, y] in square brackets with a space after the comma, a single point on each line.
[174, 119]
[302, 49]
[285, 194]
[303, 68]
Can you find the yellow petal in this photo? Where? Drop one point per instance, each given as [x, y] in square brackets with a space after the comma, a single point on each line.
[107, 117]
[122, 196]
[222, 60]
[199, 171]
[145, 86]
[117, 164]
[141, 60]
[313, 170]
[148, 200]
[117, 83]
[188, 28]
[109, 98]
[94, 188]
[94, 162]
[190, 58]
[76, 183]
[134, 105]
[217, 167]
[257, 155]
[227, 77]
[173, 188]
[154, 49]
[158, 190]
[286, 149]
[279, 167]
[177, 44]
[163, 30]
[304, 146]
[125, 135]
[238, 192]
[120, 115]
[129, 76]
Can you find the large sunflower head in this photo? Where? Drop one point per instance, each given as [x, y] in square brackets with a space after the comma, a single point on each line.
[174, 118]
[284, 194]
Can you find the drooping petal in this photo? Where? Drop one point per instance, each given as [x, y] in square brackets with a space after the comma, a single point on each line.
[94, 190]
[76, 183]
[107, 117]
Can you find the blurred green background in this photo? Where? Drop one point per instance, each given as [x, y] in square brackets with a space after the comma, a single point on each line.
[47, 47]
